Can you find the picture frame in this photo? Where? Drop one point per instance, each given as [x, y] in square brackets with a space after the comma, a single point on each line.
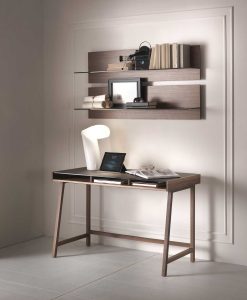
[113, 162]
[125, 90]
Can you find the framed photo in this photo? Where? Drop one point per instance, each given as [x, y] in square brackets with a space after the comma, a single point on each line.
[112, 162]
[125, 90]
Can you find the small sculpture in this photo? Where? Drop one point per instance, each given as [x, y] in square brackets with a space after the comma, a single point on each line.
[107, 103]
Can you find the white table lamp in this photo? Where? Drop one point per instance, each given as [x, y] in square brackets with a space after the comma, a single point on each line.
[90, 137]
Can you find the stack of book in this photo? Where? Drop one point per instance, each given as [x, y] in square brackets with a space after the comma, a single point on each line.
[121, 66]
[153, 173]
[152, 177]
[90, 102]
[148, 105]
[166, 56]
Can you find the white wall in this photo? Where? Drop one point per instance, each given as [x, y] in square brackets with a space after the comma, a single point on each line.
[21, 120]
[67, 40]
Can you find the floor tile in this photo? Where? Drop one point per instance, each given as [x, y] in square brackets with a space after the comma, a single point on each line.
[11, 290]
[108, 289]
[32, 264]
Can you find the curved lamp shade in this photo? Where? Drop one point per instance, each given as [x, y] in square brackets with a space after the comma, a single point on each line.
[90, 137]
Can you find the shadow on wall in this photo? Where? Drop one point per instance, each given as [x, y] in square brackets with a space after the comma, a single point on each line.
[210, 183]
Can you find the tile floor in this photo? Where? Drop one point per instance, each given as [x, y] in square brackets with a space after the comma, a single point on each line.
[27, 271]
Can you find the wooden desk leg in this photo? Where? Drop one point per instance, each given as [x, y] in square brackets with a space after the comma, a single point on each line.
[88, 214]
[192, 223]
[58, 220]
[167, 234]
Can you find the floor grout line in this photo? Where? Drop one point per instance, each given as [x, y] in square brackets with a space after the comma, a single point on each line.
[105, 276]
[26, 284]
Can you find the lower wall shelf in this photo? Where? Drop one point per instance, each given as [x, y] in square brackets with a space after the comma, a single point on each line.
[175, 114]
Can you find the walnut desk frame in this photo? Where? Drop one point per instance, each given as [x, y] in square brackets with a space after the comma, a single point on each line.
[82, 176]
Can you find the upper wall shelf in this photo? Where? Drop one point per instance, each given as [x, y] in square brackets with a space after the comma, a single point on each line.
[98, 62]
[181, 102]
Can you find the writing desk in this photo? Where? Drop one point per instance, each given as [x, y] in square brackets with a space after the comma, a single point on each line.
[82, 176]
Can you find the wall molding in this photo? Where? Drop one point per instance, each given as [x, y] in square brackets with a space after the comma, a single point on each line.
[226, 236]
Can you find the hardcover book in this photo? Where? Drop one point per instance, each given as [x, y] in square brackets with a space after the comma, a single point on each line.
[184, 56]
[175, 56]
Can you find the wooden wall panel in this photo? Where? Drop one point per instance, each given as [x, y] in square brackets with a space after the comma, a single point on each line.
[176, 96]
[178, 114]
[94, 91]
[98, 61]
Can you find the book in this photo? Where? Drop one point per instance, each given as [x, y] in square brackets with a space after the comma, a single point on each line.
[160, 57]
[99, 98]
[153, 173]
[88, 99]
[184, 51]
[93, 101]
[141, 105]
[121, 66]
[175, 56]
[145, 184]
[87, 105]
[117, 69]
[98, 104]
[157, 57]
[108, 181]
[168, 56]
[163, 56]
[152, 59]
[152, 184]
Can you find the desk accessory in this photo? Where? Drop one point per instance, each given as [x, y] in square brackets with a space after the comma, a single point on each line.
[141, 105]
[113, 162]
[153, 173]
[107, 103]
[141, 56]
[90, 137]
[94, 101]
